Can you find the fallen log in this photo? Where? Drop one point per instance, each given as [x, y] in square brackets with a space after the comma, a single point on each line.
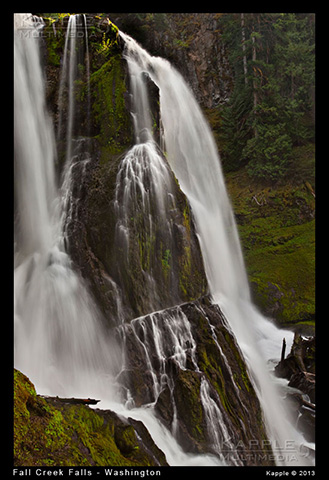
[76, 401]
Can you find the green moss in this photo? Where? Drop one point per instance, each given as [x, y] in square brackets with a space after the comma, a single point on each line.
[212, 368]
[242, 374]
[23, 389]
[126, 440]
[277, 232]
[110, 116]
[166, 258]
[49, 432]
[146, 242]
[282, 270]
[54, 41]
[165, 261]
[55, 435]
[94, 436]
[190, 274]
[187, 399]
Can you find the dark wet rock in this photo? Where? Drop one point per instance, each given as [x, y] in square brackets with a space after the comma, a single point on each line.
[299, 368]
[172, 355]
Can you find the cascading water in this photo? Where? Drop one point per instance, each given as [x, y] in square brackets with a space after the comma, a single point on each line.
[67, 77]
[55, 317]
[193, 156]
[59, 339]
[35, 179]
[76, 54]
[165, 341]
[144, 202]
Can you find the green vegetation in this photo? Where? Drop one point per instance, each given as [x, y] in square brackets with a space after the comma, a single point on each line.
[111, 121]
[277, 232]
[48, 432]
[165, 261]
[109, 113]
[271, 109]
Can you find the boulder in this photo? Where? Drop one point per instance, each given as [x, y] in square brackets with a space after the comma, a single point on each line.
[299, 368]
[184, 360]
[50, 431]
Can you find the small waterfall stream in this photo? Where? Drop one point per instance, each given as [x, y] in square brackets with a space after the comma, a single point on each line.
[67, 80]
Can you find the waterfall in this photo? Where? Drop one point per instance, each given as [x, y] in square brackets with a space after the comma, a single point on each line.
[59, 339]
[193, 156]
[87, 72]
[144, 205]
[67, 78]
[76, 53]
[35, 187]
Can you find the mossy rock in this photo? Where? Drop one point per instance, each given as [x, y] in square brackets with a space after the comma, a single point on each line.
[192, 429]
[173, 262]
[110, 118]
[126, 440]
[50, 432]
[226, 372]
[179, 404]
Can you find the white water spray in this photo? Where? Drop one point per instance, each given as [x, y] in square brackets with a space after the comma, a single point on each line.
[193, 156]
[59, 339]
[68, 74]
[35, 188]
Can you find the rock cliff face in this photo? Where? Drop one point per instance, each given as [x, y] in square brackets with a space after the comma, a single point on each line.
[125, 249]
[130, 232]
[156, 263]
[186, 360]
[192, 43]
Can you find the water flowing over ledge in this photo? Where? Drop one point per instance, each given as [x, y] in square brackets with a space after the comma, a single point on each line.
[194, 159]
[146, 367]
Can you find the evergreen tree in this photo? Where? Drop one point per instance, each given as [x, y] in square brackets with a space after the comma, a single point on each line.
[271, 108]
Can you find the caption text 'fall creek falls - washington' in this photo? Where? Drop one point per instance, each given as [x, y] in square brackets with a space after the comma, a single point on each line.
[61, 340]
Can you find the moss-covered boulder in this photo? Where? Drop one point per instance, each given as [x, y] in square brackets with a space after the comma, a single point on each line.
[50, 432]
[186, 361]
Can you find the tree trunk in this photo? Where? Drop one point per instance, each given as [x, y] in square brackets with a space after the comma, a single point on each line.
[254, 83]
[245, 71]
[283, 351]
